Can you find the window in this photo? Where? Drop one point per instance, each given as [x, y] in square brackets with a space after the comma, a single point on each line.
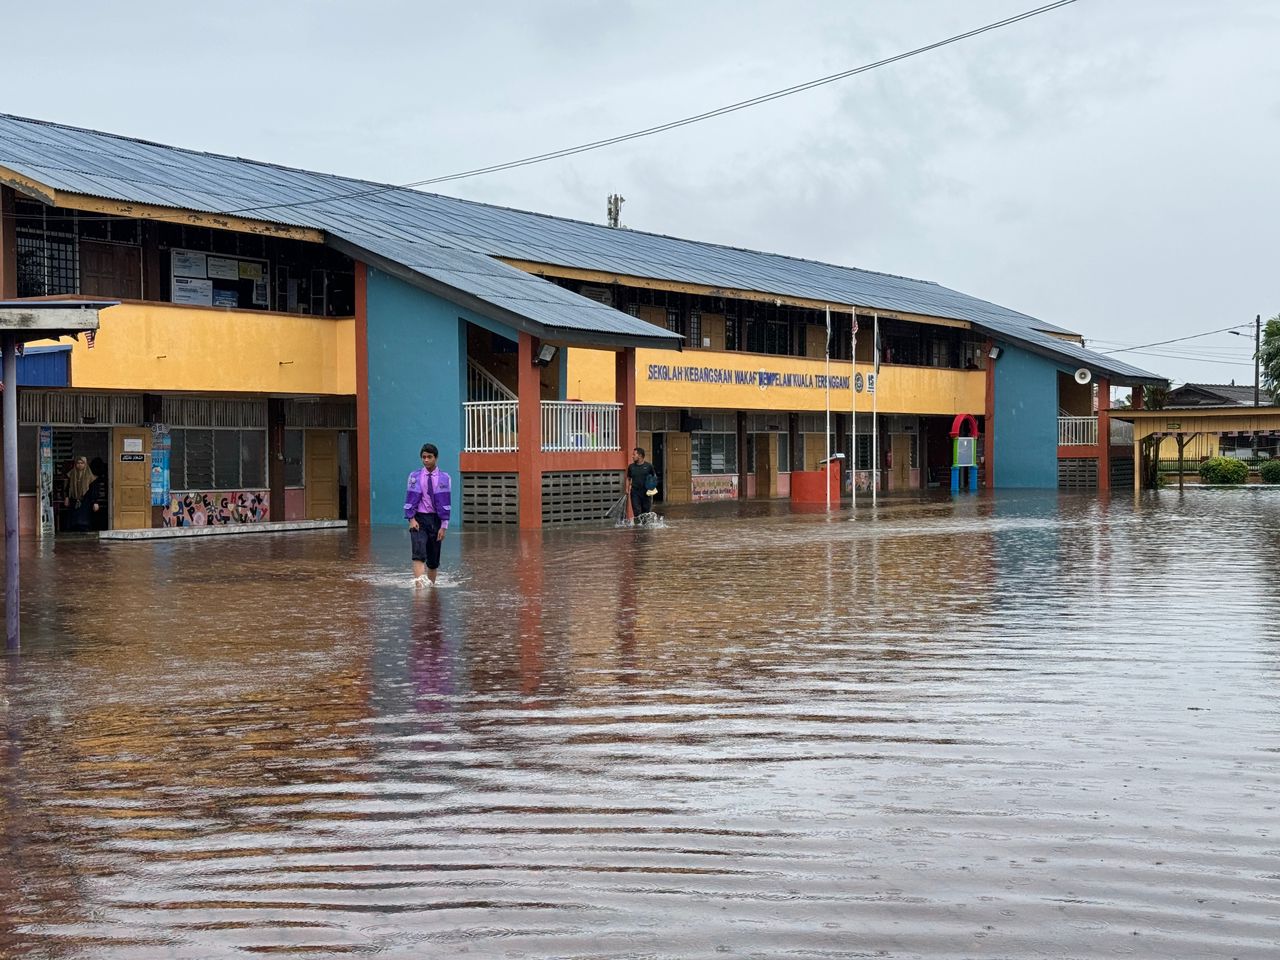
[731, 339]
[217, 459]
[784, 453]
[293, 453]
[715, 453]
[674, 323]
[695, 328]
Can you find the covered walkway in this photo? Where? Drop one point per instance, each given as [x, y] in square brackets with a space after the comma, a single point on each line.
[1185, 424]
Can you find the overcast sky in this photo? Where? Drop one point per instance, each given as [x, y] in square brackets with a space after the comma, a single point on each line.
[1110, 167]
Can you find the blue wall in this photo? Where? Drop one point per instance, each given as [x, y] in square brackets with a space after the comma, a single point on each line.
[1026, 415]
[417, 384]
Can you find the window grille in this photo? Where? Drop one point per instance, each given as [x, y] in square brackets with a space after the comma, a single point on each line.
[217, 459]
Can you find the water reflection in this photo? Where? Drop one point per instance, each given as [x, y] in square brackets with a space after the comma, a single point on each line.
[1014, 726]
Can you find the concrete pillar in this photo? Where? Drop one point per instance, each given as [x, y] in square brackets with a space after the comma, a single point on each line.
[989, 424]
[1104, 435]
[624, 380]
[360, 470]
[529, 432]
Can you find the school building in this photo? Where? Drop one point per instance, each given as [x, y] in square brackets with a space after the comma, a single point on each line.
[286, 340]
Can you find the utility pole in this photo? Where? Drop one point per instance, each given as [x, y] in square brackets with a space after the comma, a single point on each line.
[1257, 355]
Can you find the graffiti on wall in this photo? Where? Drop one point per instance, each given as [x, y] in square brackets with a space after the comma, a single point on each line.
[215, 508]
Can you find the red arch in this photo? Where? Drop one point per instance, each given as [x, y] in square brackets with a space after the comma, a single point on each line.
[960, 420]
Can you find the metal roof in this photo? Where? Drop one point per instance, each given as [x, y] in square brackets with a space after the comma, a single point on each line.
[362, 212]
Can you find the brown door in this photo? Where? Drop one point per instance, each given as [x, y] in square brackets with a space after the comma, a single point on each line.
[131, 480]
[110, 270]
[678, 484]
[766, 465]
[320, 474]
[900, 472]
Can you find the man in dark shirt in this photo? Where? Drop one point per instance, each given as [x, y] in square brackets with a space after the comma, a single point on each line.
[641, 479]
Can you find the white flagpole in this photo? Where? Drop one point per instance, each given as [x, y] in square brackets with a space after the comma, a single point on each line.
[827, 479]
[853, 408]
[875, 426]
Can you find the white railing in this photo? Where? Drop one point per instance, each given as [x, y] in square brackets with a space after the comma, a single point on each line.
[1077, 431]
[484, 386]
[491, 426]
[1121, 433]
[571, 426]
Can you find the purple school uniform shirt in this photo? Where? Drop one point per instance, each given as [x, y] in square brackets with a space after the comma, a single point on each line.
[439, 500]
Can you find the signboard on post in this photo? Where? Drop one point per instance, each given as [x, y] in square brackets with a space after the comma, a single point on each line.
[965, 452]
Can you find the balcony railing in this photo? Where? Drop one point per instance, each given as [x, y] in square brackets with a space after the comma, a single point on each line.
[1083, 432]
[567, 426]
[491, 426]
[579, 427]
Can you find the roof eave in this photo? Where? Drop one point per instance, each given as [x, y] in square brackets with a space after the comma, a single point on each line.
[564, 335]
[1117, 378]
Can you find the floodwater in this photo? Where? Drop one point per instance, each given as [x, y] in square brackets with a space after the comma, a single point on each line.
[1022, 726]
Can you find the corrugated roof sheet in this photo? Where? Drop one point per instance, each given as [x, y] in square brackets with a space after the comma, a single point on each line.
[362, 212]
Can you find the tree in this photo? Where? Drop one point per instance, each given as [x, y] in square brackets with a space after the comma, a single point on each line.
[1269, 357]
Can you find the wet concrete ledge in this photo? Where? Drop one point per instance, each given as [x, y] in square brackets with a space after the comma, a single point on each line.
[231, 529]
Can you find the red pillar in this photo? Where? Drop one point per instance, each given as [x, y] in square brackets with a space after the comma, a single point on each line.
[989, 422]
[364, 512]
[1137, 398]
[1104, 435]
[624, 380]
[529, 433]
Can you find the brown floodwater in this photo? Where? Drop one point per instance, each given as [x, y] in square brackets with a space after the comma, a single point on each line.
[1014, 726]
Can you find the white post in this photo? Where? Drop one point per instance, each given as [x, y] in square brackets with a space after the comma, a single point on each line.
[826, 482]
[875, 426]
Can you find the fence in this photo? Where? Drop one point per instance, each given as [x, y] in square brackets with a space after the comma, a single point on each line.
[1077, 431]
[491, 426]
[572, 426]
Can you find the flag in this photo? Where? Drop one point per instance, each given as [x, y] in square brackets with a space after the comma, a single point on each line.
[88, 338]
[877, 347]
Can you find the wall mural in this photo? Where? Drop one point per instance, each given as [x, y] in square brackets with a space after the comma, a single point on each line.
[216, 507]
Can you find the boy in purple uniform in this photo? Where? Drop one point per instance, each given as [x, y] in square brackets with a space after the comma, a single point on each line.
[426, 507]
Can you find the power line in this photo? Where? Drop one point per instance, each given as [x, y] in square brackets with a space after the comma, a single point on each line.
[1160, 343]
[673, 124]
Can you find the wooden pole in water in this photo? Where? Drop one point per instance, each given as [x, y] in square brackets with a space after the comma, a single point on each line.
[10, 419]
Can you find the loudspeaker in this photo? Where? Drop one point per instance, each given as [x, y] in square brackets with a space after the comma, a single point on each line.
[995, 353]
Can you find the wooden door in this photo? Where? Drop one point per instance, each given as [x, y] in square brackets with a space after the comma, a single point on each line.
[110, 270]
[678, 483]
[320, 474]
[130, 478]
[766, 465]
[900, 472]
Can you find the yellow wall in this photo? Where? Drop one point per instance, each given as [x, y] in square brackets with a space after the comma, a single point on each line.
[589, 375]
[919, 390]
[156, 346]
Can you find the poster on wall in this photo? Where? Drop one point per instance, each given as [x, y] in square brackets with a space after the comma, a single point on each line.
[260, 293]
[196, 292]
[161, 445]
[226, 298]
[223, 268]
[45, 458]
[250, 270]
[715, 486]
[188, 263]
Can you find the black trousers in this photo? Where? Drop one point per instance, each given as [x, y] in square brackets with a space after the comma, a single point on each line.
[426, 548]
[640, 501]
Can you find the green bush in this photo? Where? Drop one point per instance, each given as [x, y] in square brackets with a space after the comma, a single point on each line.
[1270, 471]
[1223, 470]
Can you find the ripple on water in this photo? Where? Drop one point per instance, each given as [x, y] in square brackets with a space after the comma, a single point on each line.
[1009, 727]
